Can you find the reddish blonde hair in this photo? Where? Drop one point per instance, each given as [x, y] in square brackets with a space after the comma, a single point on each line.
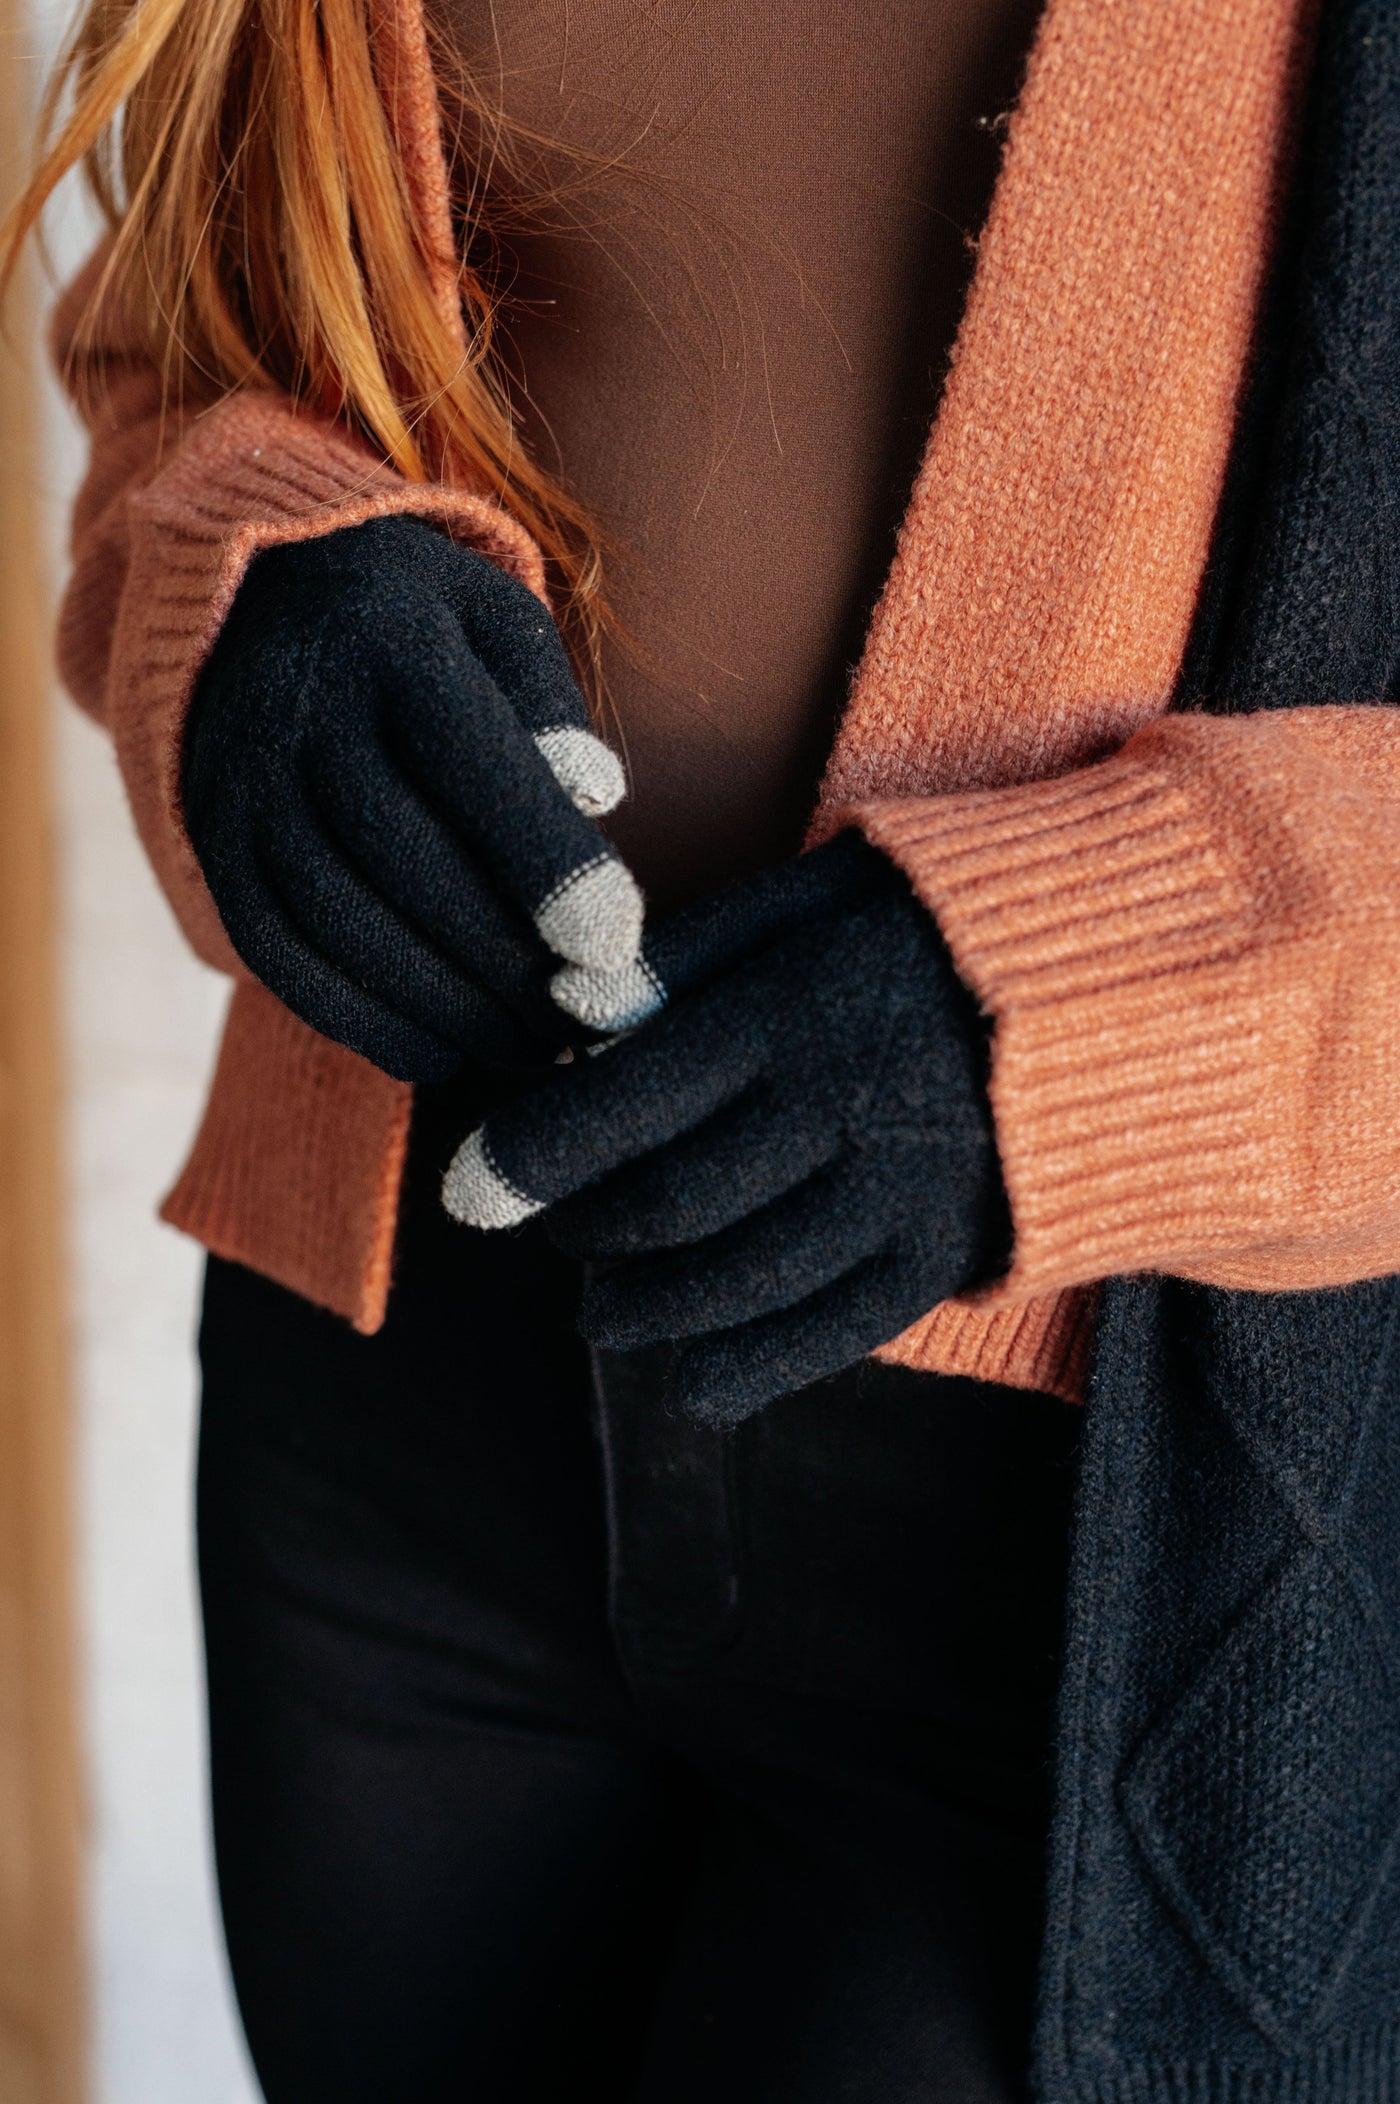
[263, 235]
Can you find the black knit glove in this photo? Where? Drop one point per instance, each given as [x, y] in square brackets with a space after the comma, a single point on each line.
[792, 1162]
[390, 785]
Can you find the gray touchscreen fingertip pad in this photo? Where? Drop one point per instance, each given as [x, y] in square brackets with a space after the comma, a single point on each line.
[475, 1192]
[589, 772]
[593, 916]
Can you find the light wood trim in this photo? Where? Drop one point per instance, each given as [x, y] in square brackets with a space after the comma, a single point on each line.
[42, 2001]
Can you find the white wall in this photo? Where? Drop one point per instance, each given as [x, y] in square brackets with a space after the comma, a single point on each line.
[142, 1020]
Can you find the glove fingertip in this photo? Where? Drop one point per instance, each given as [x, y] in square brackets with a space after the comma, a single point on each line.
[594, 915]
[475, 1193]
[604, 1320]
[609, 1001]
[590, 773]
[705, 1390]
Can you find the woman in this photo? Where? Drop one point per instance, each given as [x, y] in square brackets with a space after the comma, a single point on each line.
[672, 1718]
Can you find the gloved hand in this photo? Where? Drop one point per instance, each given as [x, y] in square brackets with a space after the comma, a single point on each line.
[791, 1162]
[390, 784]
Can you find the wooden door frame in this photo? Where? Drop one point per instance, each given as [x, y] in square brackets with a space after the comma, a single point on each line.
[42, 1990]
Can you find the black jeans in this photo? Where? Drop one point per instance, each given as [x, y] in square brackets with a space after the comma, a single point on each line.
[564, 1751]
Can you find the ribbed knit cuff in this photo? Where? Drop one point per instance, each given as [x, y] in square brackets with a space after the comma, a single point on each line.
[1042, 1344]
[1097, 919]
[298, 1162]
[1361, 2069]
[249, 475]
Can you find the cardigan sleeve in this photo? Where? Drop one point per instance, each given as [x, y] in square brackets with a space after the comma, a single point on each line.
[1191, 953]
[172, 510]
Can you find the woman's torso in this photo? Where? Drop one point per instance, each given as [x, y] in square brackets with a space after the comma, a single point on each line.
[729, 329]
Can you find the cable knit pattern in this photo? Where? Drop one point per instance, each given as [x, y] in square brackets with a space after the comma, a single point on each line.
[1223, 1901]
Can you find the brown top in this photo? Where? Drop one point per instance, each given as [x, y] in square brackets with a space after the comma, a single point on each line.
[733, 339]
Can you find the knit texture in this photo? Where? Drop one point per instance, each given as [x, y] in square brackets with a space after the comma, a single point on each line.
[388, 845]
[283, 1094]
[1224, 1910]
[1048, 568]
[164, 528]
[1193, 954]
[1224, 1915]
[788, 1163]
[1036, 612]
[1043, 591]
[1223, 1918]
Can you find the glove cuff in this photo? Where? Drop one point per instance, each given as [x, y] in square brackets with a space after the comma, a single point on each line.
[1151, 997]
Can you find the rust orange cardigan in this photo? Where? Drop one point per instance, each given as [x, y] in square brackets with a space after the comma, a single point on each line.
[1185, 927]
